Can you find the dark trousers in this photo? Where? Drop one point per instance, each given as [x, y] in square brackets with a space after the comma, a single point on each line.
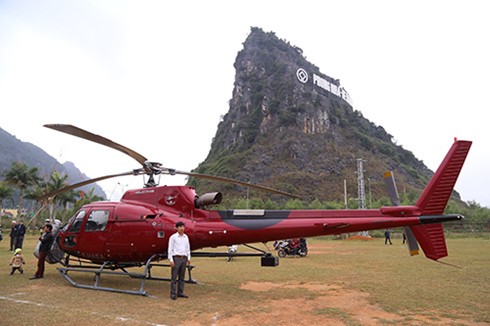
[12, 243]
[16, 268]
[178, 275]
[40, 264]
[19, 240]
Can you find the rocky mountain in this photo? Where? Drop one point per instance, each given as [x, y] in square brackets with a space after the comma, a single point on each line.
[13, 149]
[293, 128]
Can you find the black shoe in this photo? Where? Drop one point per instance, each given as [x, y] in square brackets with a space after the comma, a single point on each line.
[35, 277]
[173, 297]
[183, 296]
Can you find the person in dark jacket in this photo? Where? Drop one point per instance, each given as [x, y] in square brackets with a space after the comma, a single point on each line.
[46, 241]
[13, 235]
[21, 231]
[388, 236]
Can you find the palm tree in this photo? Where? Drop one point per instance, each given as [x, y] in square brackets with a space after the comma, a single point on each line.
[56, 181]
[22, 177]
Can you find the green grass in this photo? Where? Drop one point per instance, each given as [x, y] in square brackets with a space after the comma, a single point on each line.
[390, 279]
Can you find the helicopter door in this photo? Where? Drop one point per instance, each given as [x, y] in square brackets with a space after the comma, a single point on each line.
[135, 239]
[161, 236]
[94, 236]
[72, 231]
[155, 236]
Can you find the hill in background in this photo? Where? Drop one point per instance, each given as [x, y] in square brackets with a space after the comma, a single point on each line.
[13, 149]
[293, 128]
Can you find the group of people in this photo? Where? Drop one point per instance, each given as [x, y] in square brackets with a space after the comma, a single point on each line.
[17, 233]
[388, 237]
[17, 261]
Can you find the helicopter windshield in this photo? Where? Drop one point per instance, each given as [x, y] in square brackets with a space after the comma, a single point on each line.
[77, 223]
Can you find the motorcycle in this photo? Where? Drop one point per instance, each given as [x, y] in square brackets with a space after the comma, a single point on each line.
[290, 248]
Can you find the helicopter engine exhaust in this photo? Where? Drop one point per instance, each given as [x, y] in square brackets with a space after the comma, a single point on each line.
[212, 198]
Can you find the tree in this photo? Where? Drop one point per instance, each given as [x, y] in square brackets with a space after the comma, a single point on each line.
[56, 181]
[5, 192]
[86, 198]
[22, 177]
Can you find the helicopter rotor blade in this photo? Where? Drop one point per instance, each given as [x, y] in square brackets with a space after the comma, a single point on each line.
[228, 180]
[83, 183]
[78, 132]
[149, 168]
[389, 179]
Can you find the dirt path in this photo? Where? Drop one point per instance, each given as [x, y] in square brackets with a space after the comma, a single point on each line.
[335, 306]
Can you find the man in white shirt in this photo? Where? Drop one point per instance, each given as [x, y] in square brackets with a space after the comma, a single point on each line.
[179, 254]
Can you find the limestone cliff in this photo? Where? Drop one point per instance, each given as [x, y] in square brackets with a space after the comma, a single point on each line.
[293, 128]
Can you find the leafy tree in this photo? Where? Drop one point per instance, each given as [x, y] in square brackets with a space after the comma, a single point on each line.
[22, 177]
[294, 204]
[316, 204]
[5, 192]
[86, 198]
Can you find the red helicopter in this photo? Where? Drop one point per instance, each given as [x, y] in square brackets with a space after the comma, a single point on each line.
[108, 237]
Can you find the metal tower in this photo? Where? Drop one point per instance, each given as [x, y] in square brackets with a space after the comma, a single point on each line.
[361, 193]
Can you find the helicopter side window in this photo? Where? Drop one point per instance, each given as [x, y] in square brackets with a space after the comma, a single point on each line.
[77, 223]
[97, 220]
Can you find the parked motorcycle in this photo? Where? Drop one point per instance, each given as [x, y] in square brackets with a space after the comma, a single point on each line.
[292, 247]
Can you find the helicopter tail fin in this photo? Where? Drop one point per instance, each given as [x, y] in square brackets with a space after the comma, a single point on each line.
[433, 201]
[436, 195]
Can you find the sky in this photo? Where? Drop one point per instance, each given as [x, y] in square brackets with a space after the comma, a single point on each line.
[157, 76]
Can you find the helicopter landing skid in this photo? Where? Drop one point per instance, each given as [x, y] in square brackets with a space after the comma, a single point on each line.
[109, 268]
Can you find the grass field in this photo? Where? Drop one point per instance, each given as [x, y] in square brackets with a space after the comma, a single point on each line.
[340, 282]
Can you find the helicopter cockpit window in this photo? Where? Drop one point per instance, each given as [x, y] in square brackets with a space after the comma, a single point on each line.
[97, 220]
[77, 223]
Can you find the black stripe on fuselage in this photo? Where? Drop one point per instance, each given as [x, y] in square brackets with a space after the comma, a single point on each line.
[255, 220]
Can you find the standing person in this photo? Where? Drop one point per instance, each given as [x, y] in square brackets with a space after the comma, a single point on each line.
[21, 231]
[294, 246]
[388, 236]
[404, 237]
[179, 254]
[46, 241]
[17, 261]
[13, 235]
